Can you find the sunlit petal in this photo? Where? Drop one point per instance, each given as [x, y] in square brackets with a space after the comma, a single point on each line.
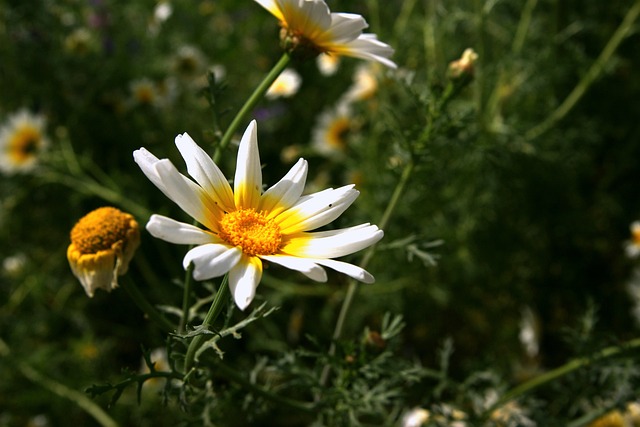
[349, 269]
[309, 268]
[287, 191]
[248, 178]
[244, 279]
[211, 260]
[177, 232]
[334, 244]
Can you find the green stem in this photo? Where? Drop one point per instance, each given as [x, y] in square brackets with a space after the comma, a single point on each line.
[188, 281]
[561, 371]
[353, 284]
[143, 304]
[232, 375]
[592, 74]
[59, 389]
[212, 315]
[248, 106]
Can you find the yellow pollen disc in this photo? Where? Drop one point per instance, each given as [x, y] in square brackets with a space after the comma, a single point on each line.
[337, 132]
[101, 229]
[251, 231]
[24, 144]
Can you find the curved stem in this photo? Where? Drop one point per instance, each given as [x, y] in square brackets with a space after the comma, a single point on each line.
[212, 315]
[592, 74]
[353, 284]
[143, 304]
[561, 371]
[255, 97]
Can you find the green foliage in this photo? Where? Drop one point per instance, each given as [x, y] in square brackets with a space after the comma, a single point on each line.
[503, 295]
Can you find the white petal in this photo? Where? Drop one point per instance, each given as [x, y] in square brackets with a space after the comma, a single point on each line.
[211, 260]
[309, 268]
[244, 279]
[348, 269]
[346, 27]
[333, 244]
[177, 232]
[248, 178]
[310, 17]
[206, 173]
[271, 6]
[316, 210]
[367, 46]
[181, 190]
[287, 191]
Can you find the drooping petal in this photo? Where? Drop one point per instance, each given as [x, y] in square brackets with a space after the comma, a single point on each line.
[316, 210]
[309, 268]
[367, 46]
[333, 244]
[345, 27]
[177, 232]
[244, 279]
[211, 260]
[248, 178]
[286, 192]
[349, 269]
[206, 173]
[181, 190]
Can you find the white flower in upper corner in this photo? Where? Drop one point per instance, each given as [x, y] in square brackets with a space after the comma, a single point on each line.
[285, 85]
[309, 28]
[328, 64]
[632, 247]
[22, 141]
[244, 227]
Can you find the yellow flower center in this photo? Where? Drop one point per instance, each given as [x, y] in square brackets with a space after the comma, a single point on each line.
[337, 132]
[102, 229]
[24, 144]
[252, 231]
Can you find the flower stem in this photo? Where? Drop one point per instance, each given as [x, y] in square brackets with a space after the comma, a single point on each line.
[561, 371]
[255, 97]
[353, 284]
[143, 304]
[592, 74]
[214, 311]
[188, 281]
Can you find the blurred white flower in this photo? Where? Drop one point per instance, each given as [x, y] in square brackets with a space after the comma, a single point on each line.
[365, 83]
[22, 141]
[328, 64]
[329, 136]
[285, 85]
[417, 417]
[632, 246]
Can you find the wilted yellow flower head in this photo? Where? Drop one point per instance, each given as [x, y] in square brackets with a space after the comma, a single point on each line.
[102, 245]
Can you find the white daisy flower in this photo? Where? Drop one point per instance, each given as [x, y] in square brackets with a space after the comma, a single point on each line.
[22, 140]
[329, 136]
[244, 227]
[285, 85]
[310, 27]
[632, 246]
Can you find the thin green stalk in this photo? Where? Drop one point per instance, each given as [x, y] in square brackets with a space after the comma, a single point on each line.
[214, 311]
[248, 106]
[232, 375]
[143, 304]
[59, 389]
[188, 281]
[592, 74]
[561, 371]
[353, 284]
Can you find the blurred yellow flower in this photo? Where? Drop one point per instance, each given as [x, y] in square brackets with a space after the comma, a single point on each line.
[309, 29]
[464, 65]
[102, 245]
[329, 136]
[22, 140]
[632, 246]
[328, 64]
